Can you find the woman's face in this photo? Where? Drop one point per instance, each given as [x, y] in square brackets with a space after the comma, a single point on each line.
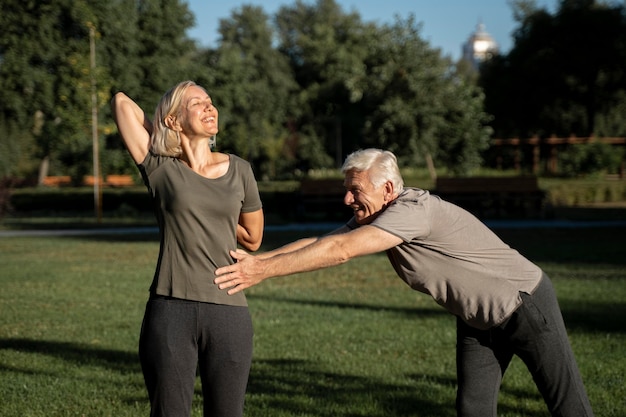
[198, 114]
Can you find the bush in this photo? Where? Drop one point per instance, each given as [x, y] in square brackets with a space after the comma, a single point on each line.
[590, 159]
[5, 196]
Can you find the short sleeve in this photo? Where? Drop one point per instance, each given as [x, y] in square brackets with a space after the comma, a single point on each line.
[407, 217]
[252, 199]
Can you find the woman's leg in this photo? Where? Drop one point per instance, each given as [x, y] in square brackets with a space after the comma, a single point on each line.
[168, 355]
[225, 348]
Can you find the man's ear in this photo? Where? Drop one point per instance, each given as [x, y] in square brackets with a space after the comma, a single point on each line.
[388, 192]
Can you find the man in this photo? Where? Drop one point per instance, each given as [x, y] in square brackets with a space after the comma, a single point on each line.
[505, 305]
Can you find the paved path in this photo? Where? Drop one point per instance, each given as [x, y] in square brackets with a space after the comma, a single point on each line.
[318, 227]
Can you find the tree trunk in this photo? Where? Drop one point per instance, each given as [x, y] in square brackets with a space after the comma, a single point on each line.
[431, 166]
[44, 166]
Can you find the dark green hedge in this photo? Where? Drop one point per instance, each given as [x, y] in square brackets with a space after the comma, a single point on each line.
[279, 206]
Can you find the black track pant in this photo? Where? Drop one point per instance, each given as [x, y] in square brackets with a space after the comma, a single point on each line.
[179, 337]
[536, 333]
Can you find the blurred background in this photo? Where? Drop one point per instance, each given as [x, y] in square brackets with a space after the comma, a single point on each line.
[301, 87]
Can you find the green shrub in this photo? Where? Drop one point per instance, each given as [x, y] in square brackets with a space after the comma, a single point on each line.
[590, 159]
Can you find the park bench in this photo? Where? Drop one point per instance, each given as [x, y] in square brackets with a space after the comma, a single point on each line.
[494, 197]
[57, 180]
[119, 181]
[110, 181]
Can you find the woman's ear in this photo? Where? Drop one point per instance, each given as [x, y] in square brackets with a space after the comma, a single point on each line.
[172, 123]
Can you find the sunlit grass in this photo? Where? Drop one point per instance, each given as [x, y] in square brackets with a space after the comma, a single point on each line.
[349, 341]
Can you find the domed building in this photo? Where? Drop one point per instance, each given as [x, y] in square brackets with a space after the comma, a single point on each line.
[479, 47]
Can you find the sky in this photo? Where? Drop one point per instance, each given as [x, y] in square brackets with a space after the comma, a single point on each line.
[446, 24]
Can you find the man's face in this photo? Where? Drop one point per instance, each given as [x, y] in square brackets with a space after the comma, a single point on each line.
[363, 198]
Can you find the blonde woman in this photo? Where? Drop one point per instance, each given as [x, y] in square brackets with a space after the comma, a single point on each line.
[205, 202]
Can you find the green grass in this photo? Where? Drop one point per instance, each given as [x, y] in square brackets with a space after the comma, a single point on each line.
[348, 341]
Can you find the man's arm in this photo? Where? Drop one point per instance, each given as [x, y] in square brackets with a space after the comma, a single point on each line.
[319, 253]
[300, 243]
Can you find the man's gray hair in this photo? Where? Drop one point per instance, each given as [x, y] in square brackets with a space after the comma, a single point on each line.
[382, 166]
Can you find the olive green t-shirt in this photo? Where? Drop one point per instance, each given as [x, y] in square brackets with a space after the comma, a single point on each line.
[452, 256]
[197, 219]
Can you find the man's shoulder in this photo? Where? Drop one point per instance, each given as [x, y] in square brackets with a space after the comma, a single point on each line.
[413, 195]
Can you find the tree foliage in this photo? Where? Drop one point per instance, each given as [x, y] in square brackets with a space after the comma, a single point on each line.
[565, 74]
[366, 85]
[44, 76]
[417, 106]
[301, 89]
[589, 159]
[46, 73]
[254, 89]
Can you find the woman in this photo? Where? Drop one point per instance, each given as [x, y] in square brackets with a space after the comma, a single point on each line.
[205, 203]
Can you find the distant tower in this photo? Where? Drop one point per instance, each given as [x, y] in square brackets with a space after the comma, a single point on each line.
[479, 47]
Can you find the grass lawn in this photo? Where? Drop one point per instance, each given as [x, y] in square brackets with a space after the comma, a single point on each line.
[348, 341]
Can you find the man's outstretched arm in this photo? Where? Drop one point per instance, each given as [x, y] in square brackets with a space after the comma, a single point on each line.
[323, 252]
[300, 243]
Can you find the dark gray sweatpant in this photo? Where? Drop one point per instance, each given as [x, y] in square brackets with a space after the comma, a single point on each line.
[536, 333]
[179, 337]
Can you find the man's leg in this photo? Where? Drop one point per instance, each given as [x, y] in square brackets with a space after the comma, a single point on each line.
[479, 372]
[537, 333]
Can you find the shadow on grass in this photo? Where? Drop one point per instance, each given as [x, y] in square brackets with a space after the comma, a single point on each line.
[290, 387]
[74, 355]
[411, 312]
[296, 386]
[586, 317]
[80, 354]
[594, 317]
[281, 385]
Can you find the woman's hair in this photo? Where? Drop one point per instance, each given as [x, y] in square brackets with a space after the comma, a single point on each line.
[382, 167]
[165, 141]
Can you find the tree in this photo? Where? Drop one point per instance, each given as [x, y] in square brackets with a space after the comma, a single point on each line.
[164, 51]
[326, 51]
[294, 96]
[254, 90]
[565, 73]
[365, 85]
[146, 50]
[418, 106]
[46, 76]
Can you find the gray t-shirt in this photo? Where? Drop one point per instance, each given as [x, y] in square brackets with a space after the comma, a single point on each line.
[452, 256]
[197, 219]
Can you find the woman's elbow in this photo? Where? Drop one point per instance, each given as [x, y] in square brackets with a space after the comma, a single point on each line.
[249, 241]
[250, 230]
[255, 247]
[251, 246]
[117, 99]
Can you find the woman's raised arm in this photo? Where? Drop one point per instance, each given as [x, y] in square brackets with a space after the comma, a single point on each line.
[133, 125]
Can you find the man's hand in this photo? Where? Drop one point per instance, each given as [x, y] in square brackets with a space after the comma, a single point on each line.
[245, 273]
